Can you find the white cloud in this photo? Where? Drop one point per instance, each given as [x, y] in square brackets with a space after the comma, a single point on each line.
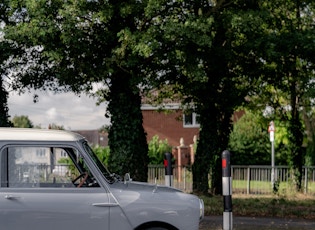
[51, 113]
[66, 109]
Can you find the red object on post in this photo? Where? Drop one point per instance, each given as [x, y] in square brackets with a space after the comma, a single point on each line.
[168, 169]
[224, 163]
[271, 127]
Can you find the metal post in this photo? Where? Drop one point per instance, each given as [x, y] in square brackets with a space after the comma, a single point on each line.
[168, 169]
[273, 165]
[271, 130]
[227, 191]
[305, 180]
[248, 180]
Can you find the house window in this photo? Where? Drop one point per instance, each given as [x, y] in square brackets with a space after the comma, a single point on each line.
[63, 154]
[41, 152]
[191, 120]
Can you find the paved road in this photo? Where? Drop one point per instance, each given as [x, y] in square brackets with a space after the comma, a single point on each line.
[257, 223]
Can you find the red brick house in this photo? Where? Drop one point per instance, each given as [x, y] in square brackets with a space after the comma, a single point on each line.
[94, 137]
[172, 125]
[181, 131]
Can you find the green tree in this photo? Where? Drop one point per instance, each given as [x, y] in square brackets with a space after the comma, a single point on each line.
[126, 137]
[250, 144]
[104, 129]
[55, 126]
[4, 110]
[6, 50]
[102, 153]
[211, 54]
[209, 48]
[22, 122]
[287, 50]
[70, 45]
[309, 121]
[249, 141]
[222, 51]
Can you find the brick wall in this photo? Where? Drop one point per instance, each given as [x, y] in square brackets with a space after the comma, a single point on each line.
[168, 126]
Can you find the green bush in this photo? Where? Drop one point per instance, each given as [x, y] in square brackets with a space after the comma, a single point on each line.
[157, 149]
[102, 154]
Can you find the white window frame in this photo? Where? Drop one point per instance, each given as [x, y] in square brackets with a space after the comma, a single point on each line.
[194, 124]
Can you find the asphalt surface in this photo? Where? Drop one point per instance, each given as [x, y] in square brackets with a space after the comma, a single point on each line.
[257, 223]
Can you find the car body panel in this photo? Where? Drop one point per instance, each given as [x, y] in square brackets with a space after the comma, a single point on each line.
[53, 208]
[166, 204]
[105, 202]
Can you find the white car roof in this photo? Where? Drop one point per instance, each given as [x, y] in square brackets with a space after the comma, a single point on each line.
[28, 134]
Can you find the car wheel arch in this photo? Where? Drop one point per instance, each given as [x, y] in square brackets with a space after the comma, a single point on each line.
[156, 225]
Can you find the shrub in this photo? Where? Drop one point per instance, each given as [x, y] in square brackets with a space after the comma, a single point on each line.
[157, 149]
[102, 153]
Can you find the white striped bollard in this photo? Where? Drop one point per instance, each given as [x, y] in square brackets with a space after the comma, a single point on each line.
[227, 190]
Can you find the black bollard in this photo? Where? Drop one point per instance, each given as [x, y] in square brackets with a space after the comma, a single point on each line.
[168, 169]
[227, 191]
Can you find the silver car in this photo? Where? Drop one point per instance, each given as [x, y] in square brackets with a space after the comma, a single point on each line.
[52, 180]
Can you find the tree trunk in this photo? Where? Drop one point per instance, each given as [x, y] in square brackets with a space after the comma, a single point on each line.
[297, 151]
[127, 139]
[202, 164]
[214, 134]
[296, 131]
[4, 116]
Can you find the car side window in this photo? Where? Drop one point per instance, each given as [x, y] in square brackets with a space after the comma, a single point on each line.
[36, 166]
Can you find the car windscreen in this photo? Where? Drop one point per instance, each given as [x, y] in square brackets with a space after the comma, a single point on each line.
[109, 176]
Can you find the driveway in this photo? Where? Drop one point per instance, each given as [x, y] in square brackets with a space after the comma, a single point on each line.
[257, 223]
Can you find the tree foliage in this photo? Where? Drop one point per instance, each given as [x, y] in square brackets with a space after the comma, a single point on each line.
[126, 138]
[6, 50]
[71, 45]
[55, 126]
[212, 55]
[157, 150]
[102, 153]
[249, 141]
[287, 50]
[22, 122]
[223, 52]
[4, 110]
[209, 49]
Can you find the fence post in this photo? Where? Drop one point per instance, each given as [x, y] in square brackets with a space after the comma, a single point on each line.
[305, 180]
[184, 168]
[248, 180]
[227, 191]
[168, 169]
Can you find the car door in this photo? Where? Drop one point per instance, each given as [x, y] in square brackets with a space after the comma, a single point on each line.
[53, 208]
[31, 198]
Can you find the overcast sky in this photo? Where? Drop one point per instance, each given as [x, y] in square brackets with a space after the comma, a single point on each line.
[67, 110]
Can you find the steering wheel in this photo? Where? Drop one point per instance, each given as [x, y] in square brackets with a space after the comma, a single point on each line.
[84, 177]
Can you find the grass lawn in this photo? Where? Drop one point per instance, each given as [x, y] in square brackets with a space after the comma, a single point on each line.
[265, 187]
[293, 206]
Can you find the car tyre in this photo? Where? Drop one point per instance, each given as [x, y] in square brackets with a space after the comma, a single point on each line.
[156, 228]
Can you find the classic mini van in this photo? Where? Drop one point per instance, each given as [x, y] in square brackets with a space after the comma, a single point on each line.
[51, 179]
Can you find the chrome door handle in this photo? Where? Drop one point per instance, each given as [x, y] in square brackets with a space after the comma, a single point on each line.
[105, 204]
[11, 197]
